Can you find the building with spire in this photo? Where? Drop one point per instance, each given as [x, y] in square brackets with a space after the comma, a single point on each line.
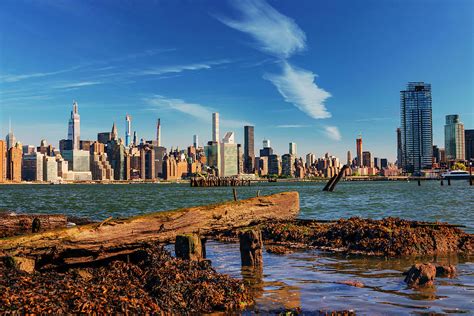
[10, 138]
[74, 130]
[158, 133]
[114, 133]
[128, 130]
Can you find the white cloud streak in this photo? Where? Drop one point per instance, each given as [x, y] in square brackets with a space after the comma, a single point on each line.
[292, 126]
[297, 86]
[275, 33]
[180, 68]
[332, 132]
[198, 111]
[78, 84]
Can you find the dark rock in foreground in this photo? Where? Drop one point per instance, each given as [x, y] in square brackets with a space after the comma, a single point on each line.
[420, 274]
[152, 282]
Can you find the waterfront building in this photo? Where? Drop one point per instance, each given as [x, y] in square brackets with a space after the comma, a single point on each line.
[442, 155]
[117, 154]
[170, 168]
[100, 167]
[44, 148]
[32, 167]
[416, 127]
[63, 168]
[50, 169]
[3, 160]
[240, 160]
[274, 165]
[383, 163]
[436, 155]
[249, 149]
[349, 158]
[229, 156]
[469, 143]
[78, 164]
[310, 160]
[261, 165]
[160, 153]
[104, 137]
[288, 165]
[147, 162]
[158, 133]
[267, 149]
[215, 127]
[292, 149]
[367, 159]
[359, 151]
[74, 130]
[399, 148]
[28, 149]
[213, 157]
[14, 160]
[377, 163]
[128, 130]
[454, 138]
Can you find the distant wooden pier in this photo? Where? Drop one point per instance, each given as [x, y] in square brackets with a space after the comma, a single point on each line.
[218, 182]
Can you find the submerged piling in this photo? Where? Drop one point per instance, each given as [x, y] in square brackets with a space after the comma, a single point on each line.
[189, 247]
[251, 246]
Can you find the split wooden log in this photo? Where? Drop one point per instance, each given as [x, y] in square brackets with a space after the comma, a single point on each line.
[189, 247]
[115, 238]
[20, 224]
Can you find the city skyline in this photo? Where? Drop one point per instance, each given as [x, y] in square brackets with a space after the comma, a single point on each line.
[179, 80]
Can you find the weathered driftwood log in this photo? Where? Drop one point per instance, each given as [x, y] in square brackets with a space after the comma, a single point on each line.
[19, 224]
[251, 248]
[189, 247]
[95, 242]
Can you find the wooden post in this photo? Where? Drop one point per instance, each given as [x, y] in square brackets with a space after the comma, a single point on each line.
[234, 191]
[442, 183]
[189, 247]
[449, 181]
[258, 193]
[419, 182]
[36, 225]
[251, 248]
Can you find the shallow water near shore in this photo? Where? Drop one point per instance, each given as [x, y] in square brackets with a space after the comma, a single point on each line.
[307, 278]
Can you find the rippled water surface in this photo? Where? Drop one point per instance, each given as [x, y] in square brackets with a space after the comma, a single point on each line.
[308, 278]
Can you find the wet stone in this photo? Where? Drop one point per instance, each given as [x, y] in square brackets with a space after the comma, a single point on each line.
[420, 274]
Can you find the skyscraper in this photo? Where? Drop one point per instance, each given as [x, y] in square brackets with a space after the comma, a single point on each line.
[292, 149]
[158, 133]
[128, 129]
[74, 131]
[249, 149]
[359, 151]
[14, 160]
[215, 127]
[416, 127]
[399, 148]
[367, 159]
[469, 143]
[454, 138]
[195, 141]
[114, 133]
[266, 143]
[349, 158]
[3, 160]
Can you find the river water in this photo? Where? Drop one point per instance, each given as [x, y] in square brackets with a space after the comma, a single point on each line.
[308, 278]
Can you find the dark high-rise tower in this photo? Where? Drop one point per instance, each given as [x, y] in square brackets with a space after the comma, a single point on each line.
[359, 151]
[399, 148]
[469, 141]
[249, 149]
[416, 126]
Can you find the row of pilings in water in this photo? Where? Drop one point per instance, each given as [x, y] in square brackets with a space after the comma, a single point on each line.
[218, 182]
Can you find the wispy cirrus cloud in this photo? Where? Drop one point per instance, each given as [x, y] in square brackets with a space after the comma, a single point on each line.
[275, 33]
[20, 77]
[180, 68]
[292, 126]
[332, 132]
[77, 84]
[198, 111]
[297, 86]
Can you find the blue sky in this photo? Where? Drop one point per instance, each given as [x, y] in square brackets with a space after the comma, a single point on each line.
[314, 72]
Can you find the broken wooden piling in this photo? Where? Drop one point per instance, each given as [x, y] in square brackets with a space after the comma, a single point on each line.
[189, 247]
[251, 247]
[331, 185]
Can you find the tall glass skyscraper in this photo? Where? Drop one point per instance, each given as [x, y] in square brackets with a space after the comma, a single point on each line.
[416, 127]
[454, 138]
